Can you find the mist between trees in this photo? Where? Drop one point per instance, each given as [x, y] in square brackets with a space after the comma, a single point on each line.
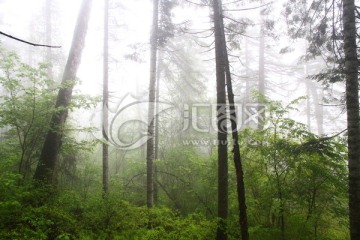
[169, 119]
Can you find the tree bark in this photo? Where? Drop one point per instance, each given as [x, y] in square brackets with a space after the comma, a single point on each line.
[353, 119]
[46, 168]
[150, 151]
[221, 233]
[105, 109]
[240, 186]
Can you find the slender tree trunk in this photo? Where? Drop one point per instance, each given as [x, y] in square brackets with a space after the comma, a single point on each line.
[48, 18]
[156, 188]
[308, 104]
[105, 110]
[311, 92]
[240, 186]
[319, 111]
[221, 124]
[279, 188]
[261, 86]
[281, 199]
[308, 98]
[247, 73]
[262, 61]
[46, 168]
[353, 119]
[150, 151]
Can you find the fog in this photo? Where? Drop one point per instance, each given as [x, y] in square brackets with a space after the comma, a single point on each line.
[216, 113]
[130, 25]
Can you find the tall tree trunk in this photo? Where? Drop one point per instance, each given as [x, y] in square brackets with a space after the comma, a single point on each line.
[353, 118]
[281, 207]
[48, 29]
[105, 109]
[240, 186]
[46, 168]
[247, 73]
[150, 151]
[308, 103]
[261, 86]
[221, 124]
[319, 110]
[307, 85]
[156, 134]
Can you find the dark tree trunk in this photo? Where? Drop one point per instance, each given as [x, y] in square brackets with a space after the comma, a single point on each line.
[352, 105]
[221, 124]
[240, 186]
[46, 168]
[105, 117]
[150, 151]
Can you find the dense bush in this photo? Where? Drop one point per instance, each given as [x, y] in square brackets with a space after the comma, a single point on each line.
[68, 216]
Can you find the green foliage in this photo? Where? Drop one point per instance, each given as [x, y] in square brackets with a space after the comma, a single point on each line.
[27, 104]
[25, 107]
[294, 179]
[322, 30]
[69, 216]
[187, 181]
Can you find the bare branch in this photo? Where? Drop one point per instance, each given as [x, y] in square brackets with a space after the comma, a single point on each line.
[246, 9]
[242, 34]
[30, 43]
[209, 50]
[198, 4]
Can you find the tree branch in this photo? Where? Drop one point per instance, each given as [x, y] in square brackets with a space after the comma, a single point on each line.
[30, 43]
[246, 9]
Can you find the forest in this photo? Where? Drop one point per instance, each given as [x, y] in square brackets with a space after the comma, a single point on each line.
[179, 119]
